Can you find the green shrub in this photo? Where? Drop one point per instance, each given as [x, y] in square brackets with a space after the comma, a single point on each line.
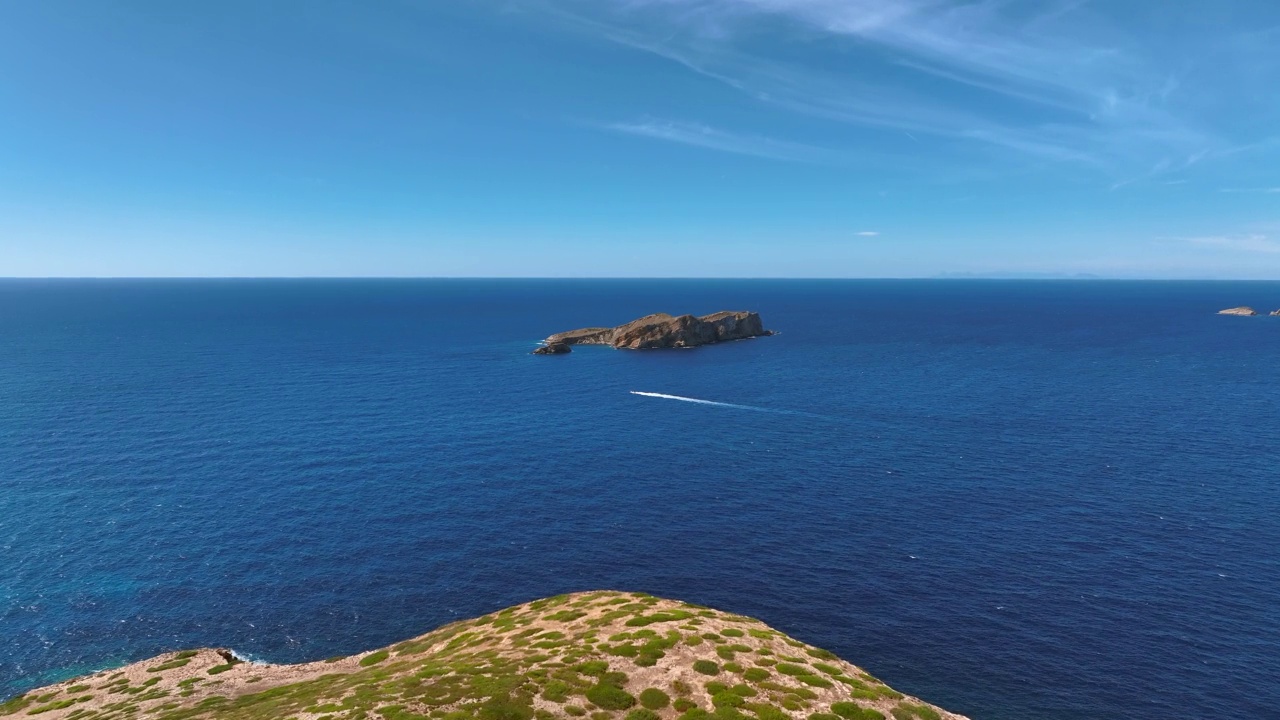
[556, 691]
[53, 706]
[683, 704]
[610, 697]
[714, 687]
[911, 711]
[504, 708]
[743, 690]
[566, 615]
[642, 714]
[727, 712]
[769, 712]
[218, 669]
[755, 674]
[664, 616]
[732, 632]
[793, 670]
[373, 658]
[654, 699]
[727, 699]
[706, 667]
[574, 710]
[695, 713]
[823, 716]
[592, 667]
[693, 640]
[616, 679]
[853, 711]
[814, 680]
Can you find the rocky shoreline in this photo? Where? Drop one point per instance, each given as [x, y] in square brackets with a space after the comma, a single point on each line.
[661, 330]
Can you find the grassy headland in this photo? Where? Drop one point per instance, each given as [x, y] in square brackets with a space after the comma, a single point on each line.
[595, 656]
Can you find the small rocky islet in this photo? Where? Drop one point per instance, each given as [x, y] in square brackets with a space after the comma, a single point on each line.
[1245, 311]
[603, 655]
[661, 330]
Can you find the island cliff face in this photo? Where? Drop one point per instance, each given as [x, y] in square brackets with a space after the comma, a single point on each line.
[666, 331]
[605, 655]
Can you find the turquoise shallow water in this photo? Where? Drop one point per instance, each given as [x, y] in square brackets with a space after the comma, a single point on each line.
[1019, 500]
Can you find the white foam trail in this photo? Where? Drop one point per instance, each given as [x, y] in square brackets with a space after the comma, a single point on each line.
[682, 398]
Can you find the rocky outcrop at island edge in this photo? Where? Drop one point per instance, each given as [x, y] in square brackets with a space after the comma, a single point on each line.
[666, 331]
[1242, 310]
[557, 348]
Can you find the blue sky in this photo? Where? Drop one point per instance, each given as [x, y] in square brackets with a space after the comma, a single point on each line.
[742, 138]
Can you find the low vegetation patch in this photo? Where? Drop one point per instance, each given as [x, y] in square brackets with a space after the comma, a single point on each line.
[654, 699]
[374, 658]
[913, 711]
[610, 697]
[853, 711]
[172, 664]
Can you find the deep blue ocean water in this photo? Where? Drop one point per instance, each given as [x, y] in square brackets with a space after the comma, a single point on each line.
[1018, 500]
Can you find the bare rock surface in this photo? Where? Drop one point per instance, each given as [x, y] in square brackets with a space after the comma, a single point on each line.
[1242, 310]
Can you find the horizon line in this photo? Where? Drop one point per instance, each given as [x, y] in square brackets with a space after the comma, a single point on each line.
[1030, 277]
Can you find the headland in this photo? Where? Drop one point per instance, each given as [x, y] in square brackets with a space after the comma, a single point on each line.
[602, 655]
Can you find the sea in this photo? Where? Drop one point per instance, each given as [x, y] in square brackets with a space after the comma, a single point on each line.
[1019, 500]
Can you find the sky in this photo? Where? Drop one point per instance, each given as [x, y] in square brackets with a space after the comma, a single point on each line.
[640, 138]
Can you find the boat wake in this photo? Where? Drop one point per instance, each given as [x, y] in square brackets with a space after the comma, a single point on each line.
[682, 398]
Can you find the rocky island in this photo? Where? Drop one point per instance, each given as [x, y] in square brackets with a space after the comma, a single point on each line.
[1242, 310]
[661, 330]
[596, 655]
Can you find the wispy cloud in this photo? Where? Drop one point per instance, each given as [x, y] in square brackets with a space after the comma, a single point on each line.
[868, 233]
[1251, 242]
[710, 138]
[1055, 81]
[1266, 190]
